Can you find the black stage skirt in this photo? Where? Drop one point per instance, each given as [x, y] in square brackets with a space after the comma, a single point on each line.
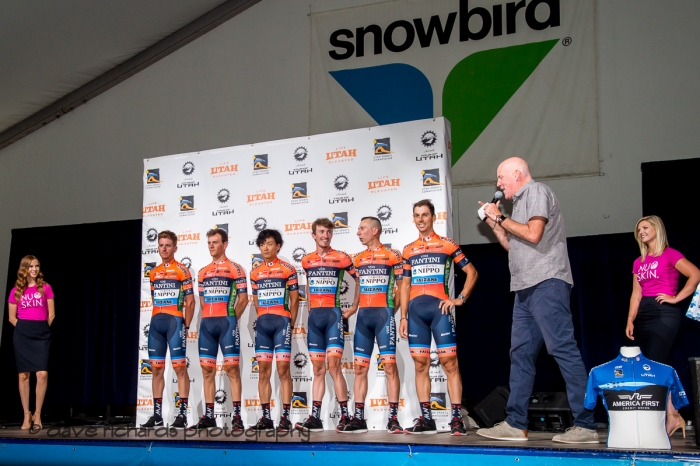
[32, 340]
[656, 328]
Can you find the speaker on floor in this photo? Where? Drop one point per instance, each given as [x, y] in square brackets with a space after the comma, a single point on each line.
[549, 412]
[492, 409]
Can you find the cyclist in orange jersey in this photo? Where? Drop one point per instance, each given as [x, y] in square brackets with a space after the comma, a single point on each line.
[325, 269]
[276, 297]
[379, 269]
[223, 297]
[171, 291]
[427, 266]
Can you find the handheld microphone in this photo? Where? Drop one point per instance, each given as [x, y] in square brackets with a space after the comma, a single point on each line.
[498, 195]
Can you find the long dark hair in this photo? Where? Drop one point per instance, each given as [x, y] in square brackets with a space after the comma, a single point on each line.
[23, 273]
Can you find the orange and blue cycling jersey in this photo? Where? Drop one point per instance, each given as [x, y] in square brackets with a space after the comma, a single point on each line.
[379, 270]
[220, 286]
[170, 283]
[324, 274]
[427, 263]
[271, 282]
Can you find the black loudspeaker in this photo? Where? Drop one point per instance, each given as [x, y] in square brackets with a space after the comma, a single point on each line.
[492, 409]
[549, 412]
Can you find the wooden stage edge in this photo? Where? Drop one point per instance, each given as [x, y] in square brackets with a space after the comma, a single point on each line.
[219, 438]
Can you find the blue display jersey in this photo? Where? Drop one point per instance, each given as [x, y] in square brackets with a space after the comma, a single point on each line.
[635, 392]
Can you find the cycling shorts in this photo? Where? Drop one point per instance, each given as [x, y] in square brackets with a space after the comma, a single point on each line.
[219, 332]
[325, 333]
[273, 334]
[167, 330]
[375, 323]
[424, 317]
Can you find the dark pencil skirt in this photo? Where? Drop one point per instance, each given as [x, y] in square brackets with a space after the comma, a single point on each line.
[656, 328]
[32, 340]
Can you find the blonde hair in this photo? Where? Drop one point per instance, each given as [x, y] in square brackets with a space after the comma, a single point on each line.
[661, 239]
[23, 273]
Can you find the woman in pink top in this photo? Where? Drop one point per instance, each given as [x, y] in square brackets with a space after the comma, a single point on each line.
[654, 318]
[31, 312]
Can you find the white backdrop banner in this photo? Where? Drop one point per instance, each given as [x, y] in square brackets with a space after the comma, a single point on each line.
[513, 78]
[378, 171]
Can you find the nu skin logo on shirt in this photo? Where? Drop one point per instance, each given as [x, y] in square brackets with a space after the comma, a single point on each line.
[31, 300]
[647, 271]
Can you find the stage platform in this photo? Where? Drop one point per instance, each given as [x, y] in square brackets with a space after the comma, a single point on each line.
[116, 445]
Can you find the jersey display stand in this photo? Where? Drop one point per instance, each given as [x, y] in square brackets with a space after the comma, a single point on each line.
[635, 391]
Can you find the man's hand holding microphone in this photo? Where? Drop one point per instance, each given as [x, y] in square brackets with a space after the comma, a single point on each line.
[490, 209]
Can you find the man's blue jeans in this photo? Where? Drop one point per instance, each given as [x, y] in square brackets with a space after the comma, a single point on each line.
[541, 315]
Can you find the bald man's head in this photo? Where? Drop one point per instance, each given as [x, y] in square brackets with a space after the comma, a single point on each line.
[512, 175]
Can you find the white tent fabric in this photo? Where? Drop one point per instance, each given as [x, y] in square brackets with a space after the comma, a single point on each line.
[48, 49]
